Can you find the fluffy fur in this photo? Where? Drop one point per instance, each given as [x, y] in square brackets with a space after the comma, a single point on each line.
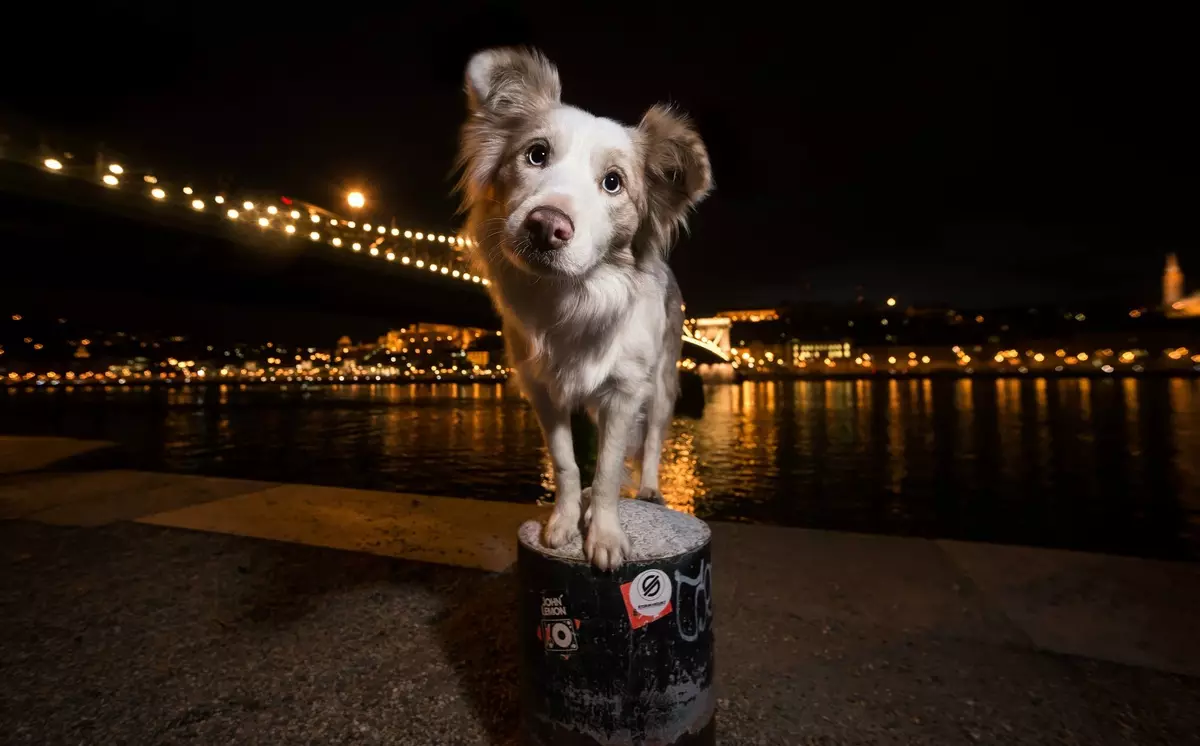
[592, 314]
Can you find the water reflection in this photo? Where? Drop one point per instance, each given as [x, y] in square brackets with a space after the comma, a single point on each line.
[1109, 465]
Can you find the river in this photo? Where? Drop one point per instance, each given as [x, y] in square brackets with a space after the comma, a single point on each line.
[1107, 465]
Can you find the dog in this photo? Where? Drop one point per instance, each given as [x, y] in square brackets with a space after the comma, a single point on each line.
[574, 216]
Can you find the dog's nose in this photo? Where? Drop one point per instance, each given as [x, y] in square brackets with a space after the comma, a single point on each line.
[549, 227]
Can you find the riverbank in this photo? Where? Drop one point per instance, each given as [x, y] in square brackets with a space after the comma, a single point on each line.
[158, 608]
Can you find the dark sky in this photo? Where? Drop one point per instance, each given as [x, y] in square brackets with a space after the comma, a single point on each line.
[979, 156]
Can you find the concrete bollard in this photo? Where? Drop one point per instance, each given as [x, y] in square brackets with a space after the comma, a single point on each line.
[624, 657]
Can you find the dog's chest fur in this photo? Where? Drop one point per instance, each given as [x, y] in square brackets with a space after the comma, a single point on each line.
[587, 340]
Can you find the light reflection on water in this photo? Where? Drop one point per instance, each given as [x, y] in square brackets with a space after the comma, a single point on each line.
[1110, 465]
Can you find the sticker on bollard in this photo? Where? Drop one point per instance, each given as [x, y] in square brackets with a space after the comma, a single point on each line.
[647, 598]
[621, 657]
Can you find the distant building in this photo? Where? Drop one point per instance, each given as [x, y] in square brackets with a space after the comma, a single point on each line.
[753, 315]
[1175, 303]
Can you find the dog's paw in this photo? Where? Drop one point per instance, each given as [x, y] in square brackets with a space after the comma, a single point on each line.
[606, 545]
[651, 495]
[561, 528]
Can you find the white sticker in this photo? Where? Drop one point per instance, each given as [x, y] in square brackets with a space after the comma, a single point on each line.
[650, 592]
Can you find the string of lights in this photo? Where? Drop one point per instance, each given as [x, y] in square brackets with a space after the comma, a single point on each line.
[430, 251]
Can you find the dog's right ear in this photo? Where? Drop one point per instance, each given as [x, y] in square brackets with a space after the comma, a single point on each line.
[511, 82]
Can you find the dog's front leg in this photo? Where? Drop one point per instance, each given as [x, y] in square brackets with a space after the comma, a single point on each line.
[606, 545]
[556, 427]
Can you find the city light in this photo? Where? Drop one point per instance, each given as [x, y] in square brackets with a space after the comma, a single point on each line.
[219, 199]
[891, 301]
[116, 169]
[187, 190]
[289, 229]
[247, 205]
[231, 214]
[315, 218]
[53, 164]
[336, 241]
[356, 200]
[264, 222]
[315, 236]
[295, 214]
[158, 193]
[111, 180]
[197, 204]
[272, 210]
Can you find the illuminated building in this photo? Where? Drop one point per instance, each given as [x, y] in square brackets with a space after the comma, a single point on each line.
[751, 315]
[1175, 303]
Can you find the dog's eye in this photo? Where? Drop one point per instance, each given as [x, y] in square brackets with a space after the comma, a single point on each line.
[537, 155]
[612, 182]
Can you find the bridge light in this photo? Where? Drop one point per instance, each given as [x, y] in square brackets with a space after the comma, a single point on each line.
[420, 236]
[456, 273]
[475, 278]
[469, 242]
[336, 241]
[366, 227]
[395, 231]
[429, 237]
[295, 214]
[445, 270]
[232, 214]
[441, 239]
[264, 222]
[487, 281]
[272, 210]
[315, 236]
[356, 200]
[408, 234]
[187, 190]
[315, 218]
[53, 164]
[374, 251]
[116, 168]
[197, 204]
[247, 205]
[420, 263]
[219, 199]
[111, 180]
[382, 229]
[391, 257]
[289, 228]
[433, 268]
[357, 246]
[158, 193]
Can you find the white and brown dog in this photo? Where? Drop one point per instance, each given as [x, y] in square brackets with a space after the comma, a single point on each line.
[574, 216]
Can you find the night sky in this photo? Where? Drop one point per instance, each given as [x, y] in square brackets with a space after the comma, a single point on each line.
[976, 157]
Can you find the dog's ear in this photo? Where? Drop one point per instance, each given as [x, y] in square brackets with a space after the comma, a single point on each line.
[511, 82]
[677, 172]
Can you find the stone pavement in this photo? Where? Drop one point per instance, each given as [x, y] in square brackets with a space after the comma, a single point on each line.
[153, 609]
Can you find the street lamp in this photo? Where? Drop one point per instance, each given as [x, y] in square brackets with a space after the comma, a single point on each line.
[356, 200]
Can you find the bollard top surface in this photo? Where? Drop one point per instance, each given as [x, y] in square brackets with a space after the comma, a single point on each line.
[655, 532]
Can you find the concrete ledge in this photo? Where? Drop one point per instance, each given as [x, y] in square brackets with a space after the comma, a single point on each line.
[1122, 609]
[450, 531]
[23, 454]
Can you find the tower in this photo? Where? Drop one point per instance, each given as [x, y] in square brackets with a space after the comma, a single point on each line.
[1172, 282]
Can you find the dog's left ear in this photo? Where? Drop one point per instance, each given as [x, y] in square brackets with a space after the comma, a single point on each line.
[677, 171]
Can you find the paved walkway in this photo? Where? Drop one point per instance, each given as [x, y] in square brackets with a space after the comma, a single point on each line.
[155, 608]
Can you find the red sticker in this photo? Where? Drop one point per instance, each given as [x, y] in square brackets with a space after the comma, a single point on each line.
[647, 597]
